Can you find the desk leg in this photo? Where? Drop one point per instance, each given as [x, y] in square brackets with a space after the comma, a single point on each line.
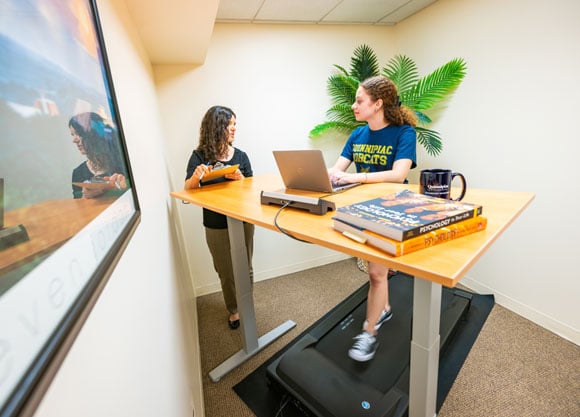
[245, 299]
[425, 348]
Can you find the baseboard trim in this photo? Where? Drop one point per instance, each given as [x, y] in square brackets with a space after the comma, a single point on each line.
[535, 316]
[277, 272]
[300, 266]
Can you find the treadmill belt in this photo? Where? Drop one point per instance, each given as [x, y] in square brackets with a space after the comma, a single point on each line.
[392, 355]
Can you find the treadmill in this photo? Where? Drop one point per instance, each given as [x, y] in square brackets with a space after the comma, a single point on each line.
[322, 381]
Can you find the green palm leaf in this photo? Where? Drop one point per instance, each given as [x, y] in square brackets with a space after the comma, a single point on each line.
[341, 69]
[364, 63]
[402, 71]
[325, 127]
[435, 86]
[341, 113]
[342, 89]
[430, 140]
[423, 118]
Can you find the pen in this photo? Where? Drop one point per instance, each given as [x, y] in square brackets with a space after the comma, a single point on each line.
[202, 174]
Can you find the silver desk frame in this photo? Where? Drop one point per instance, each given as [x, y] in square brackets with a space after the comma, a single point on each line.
[245, 299]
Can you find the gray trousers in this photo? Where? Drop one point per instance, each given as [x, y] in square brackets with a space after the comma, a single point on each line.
[218, 242]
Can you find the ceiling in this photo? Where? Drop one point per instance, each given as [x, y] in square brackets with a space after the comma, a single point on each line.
[342, 12]
[179, 31]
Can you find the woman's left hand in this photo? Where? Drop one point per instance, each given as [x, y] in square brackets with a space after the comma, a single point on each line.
[237, 175]
[92, 193]
[340, 177]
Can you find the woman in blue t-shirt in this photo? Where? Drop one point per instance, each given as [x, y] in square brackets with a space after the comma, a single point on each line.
[384, 150]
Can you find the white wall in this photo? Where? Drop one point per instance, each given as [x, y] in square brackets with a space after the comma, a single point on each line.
[507, 127]
[136, 355]
[274, 78]
[511, 126]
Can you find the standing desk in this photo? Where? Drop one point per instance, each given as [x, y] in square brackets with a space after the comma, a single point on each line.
[434, 267]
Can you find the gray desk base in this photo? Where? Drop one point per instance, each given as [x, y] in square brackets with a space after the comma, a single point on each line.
[244, 296]
[241, 356]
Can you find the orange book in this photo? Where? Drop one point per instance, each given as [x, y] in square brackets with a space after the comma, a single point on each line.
[397, 248]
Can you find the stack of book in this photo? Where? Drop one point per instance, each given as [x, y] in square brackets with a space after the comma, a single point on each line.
[405, 222]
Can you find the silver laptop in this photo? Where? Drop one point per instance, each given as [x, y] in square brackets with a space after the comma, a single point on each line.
[306, 170]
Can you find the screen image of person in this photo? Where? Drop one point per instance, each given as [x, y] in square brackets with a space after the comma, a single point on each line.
[103, 172]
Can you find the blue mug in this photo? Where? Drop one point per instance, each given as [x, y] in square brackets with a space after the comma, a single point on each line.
[437, 183]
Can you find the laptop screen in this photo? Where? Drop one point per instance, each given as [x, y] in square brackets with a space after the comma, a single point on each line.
[305, 170]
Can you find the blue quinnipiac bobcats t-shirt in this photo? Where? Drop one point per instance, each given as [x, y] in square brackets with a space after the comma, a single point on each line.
[377, 150]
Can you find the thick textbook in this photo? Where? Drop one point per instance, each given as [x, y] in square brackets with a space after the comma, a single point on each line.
[396, 248]
[406, 214]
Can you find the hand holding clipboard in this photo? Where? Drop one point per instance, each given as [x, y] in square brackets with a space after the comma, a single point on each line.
[219, 171]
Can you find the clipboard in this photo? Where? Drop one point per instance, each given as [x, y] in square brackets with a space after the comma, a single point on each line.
[220, 172]
[93, 185]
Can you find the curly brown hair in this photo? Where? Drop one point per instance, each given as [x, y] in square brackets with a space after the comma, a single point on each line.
[99, 141]
[213, 133]
[380, 87]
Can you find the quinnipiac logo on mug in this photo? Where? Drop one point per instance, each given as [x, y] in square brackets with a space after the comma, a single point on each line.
[437, 187]
[437, 183]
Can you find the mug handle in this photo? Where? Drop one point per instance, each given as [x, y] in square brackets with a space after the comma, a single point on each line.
[463, 185]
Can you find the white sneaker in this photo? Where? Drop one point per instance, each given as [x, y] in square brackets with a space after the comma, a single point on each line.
[364, 347]
[383, 318]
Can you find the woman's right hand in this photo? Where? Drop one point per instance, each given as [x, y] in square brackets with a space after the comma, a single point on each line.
[195, 180]
[201, 170]
[117, 181]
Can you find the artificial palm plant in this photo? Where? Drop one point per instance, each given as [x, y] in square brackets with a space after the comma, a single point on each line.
[418, 93]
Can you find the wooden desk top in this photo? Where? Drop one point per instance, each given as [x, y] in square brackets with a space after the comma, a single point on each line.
[445, 264]
[49, 225]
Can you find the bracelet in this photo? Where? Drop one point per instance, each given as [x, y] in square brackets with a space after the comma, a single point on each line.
[366, 177]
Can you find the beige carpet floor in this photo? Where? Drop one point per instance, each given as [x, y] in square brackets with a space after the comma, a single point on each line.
[515, 367]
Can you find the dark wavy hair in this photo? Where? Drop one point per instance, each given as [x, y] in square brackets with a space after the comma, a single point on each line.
[99, 141]
[213, 133]
[380, 87]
